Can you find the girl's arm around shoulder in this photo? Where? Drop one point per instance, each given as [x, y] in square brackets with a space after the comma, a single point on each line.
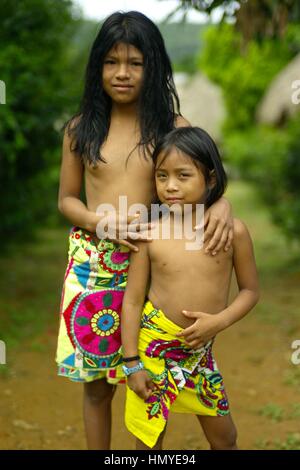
[71, 177]
[246, 275]
[133, 302]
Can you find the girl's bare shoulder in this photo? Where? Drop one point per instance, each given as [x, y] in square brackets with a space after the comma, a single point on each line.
[240, 231]
[180, 121]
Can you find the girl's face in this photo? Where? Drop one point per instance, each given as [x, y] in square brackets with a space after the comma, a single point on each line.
[122, 73]
[178, 179]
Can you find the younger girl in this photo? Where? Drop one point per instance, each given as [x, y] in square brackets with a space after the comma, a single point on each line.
[167, 341]
[129, 103]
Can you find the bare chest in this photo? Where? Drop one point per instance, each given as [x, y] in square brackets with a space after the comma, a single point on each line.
[123, 160]
[174, 258]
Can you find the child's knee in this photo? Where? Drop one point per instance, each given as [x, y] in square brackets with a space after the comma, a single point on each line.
[98, 391]
[226, 441]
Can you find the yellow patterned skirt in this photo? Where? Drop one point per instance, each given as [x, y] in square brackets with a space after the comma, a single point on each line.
[186, 380]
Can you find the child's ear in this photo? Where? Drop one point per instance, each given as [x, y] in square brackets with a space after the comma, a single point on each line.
[212, 179]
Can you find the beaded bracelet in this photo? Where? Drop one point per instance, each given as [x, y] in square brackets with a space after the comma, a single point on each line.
[129, 359]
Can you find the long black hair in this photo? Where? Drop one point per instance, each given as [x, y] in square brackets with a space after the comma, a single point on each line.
[200, 147]
[158, 103]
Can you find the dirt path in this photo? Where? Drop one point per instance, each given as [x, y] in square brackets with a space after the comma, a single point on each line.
[42, 411]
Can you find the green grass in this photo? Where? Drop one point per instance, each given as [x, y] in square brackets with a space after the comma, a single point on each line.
[295, 411]
[292, 377]
[277, 413]
[30, 280]
[291, 442]
[272, 411]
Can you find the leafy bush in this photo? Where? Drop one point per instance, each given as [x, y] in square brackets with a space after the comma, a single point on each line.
[34, 58]
[270, 158]
[267, 156]
[243, 72]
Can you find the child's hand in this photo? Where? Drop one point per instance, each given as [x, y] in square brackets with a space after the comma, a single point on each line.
[141, 384]
[218, 227]
[205, 327]
[123, 230]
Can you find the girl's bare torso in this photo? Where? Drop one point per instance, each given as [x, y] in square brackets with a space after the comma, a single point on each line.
[182, 279]
[121, 175]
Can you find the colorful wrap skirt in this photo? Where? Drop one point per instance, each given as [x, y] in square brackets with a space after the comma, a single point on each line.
[186, 380]
[89, 340]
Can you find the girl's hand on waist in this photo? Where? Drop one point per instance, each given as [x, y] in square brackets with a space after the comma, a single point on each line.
[141, 383]
[218, 227]
[204, 328]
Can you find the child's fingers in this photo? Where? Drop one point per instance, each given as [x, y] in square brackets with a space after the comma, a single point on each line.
[210, 229]
[133, 218]
[215, 239]
[141, 236]
[193, 336]
[206, 218]
[229, 240]
[140, 227]
[150, 384]
[145, 393]
[187, 331]
[128, 244]
[222, 242]
[196, 344]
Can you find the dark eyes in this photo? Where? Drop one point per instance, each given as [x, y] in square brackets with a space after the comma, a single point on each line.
[181, 175]
[112, 62]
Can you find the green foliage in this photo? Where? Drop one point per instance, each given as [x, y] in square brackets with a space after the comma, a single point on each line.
[270, 158]
[31, 284]
[243, 72]
[34, 58]
[255, 19]
[188, 65]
